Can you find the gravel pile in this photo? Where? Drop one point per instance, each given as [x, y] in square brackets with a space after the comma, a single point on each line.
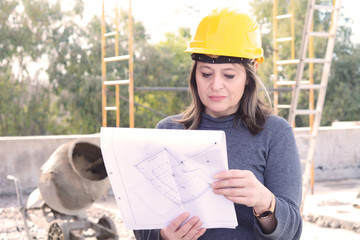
[12, 223]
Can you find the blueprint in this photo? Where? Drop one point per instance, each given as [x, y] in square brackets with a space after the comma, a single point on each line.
[157, 174]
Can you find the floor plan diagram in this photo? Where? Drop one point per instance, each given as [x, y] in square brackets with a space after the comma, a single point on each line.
[174, 175]
[157, 174]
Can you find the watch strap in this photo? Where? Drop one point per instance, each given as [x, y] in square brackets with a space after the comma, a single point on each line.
[268, 212]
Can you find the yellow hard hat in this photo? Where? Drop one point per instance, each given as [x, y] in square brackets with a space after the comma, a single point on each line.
[228, 32]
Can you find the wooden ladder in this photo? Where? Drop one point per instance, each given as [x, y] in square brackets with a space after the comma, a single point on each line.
[321, 87]
[105, 60]
[277, 21]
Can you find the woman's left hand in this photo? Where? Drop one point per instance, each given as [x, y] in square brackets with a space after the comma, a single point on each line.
[242, 187]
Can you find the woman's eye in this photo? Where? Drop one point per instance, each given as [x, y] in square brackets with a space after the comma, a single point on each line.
[206, 75]
[228, 76]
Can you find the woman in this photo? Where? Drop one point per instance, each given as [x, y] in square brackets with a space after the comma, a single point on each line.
[264, 180]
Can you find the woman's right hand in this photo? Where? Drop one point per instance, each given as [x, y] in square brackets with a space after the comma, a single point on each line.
[177, 229]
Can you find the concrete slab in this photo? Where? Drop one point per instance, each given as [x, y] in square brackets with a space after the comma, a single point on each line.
[328, 214]
[335, 204]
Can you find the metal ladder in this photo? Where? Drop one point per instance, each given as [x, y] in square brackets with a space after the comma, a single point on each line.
[321, 87]
[105, 60]
[277, 19]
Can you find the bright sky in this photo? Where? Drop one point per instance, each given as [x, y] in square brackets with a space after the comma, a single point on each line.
[161, 16]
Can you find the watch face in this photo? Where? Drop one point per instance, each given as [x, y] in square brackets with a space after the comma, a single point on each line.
[265, 214]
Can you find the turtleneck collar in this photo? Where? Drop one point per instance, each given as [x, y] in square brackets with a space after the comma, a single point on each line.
[209, 122]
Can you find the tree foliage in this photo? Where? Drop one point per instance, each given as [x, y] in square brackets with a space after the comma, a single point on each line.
[162, 65]
[342, 100]
[50, 74]
[340, 103]
[50, 68]
[25, 103]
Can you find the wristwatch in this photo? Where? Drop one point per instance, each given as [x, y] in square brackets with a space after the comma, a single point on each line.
[268, 212]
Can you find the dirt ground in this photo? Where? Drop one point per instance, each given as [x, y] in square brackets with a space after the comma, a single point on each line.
[329, 214]
[12, 223]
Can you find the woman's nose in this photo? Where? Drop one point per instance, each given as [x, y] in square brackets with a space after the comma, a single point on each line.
[217, 83]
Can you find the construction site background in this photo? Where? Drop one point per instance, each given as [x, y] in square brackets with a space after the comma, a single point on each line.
[335, 202]
[330, 213]
[337, 155]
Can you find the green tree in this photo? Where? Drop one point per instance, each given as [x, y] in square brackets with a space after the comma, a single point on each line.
[8, 93]
[342, 98]
[70, 101]
[162, 65]
[23, 99]
[75, 76]
[344, 76]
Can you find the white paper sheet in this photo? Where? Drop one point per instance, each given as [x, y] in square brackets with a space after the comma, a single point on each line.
[157, 174]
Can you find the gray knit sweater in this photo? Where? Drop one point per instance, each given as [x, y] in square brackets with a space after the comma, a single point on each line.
[273, 158]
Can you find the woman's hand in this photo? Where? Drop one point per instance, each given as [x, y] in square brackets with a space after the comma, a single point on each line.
[242, 187]
[177, 229]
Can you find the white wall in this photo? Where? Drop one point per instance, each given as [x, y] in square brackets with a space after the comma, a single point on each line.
[337, 155]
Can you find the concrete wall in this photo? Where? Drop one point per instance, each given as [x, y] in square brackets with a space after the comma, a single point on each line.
[337, 155]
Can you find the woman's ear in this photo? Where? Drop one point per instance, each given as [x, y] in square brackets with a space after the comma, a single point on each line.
[256, 65]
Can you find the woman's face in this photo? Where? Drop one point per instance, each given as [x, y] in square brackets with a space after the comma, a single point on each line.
[220, 87]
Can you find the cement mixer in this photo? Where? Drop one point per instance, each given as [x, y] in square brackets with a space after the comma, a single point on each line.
[72, 179]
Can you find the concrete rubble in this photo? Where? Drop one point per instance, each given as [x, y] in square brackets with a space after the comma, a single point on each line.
[12, 226]
[336, 205]
[331, 213]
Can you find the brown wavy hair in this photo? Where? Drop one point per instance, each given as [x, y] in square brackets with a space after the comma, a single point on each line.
[252, 110]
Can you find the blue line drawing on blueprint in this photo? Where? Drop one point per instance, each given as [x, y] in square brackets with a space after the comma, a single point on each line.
[176, 176]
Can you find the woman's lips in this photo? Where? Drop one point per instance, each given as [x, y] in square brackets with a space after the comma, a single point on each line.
[216, 98]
